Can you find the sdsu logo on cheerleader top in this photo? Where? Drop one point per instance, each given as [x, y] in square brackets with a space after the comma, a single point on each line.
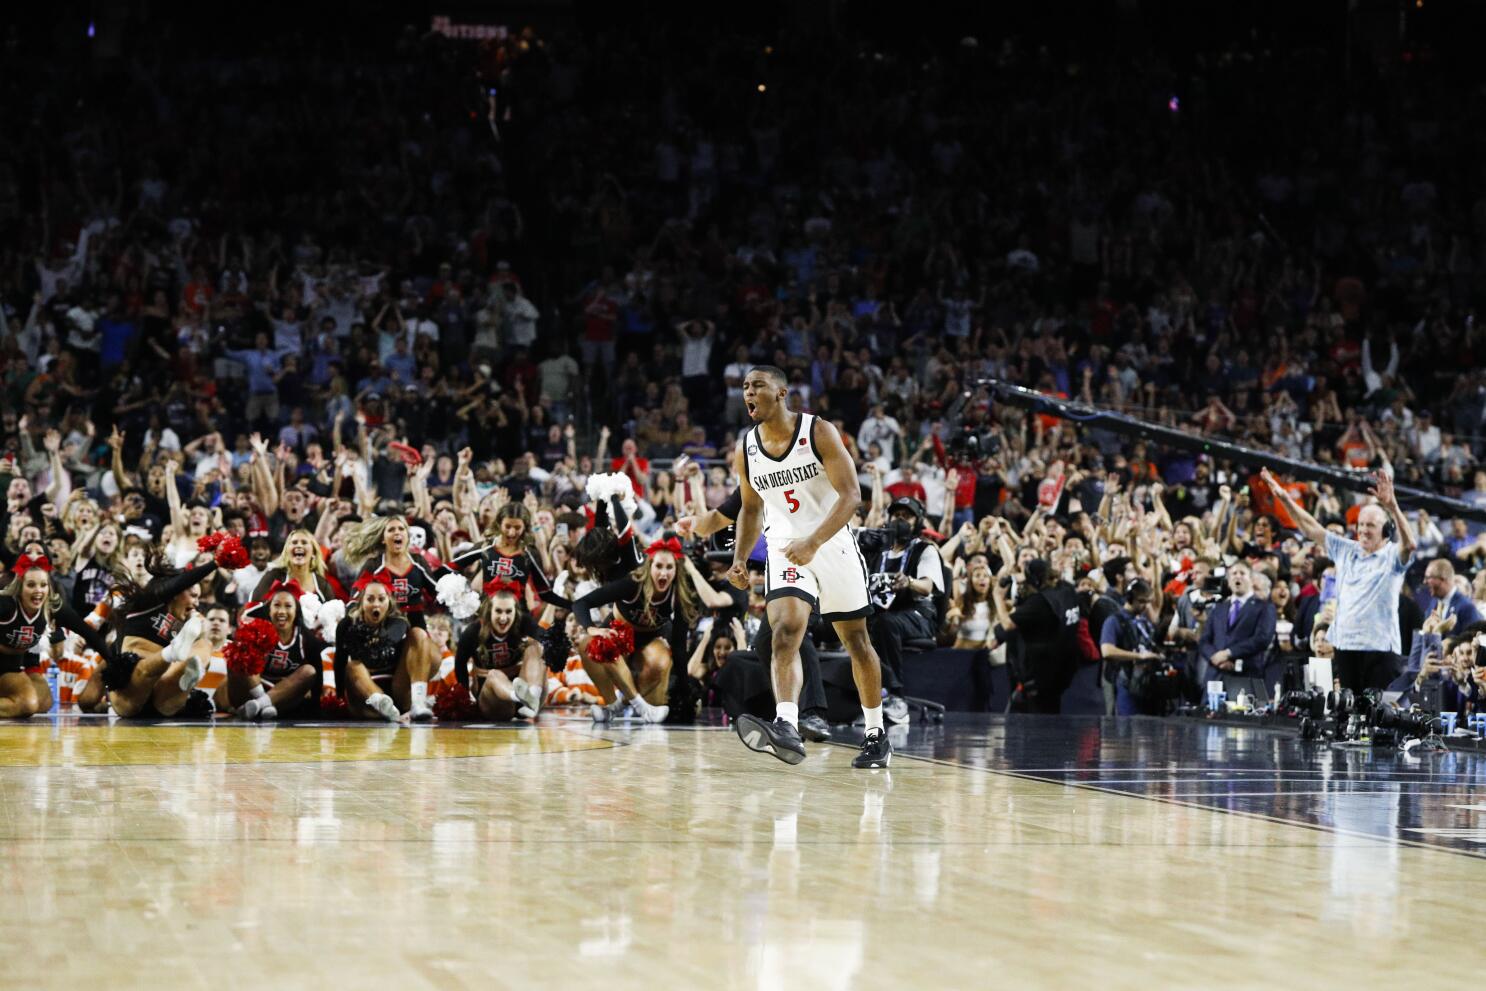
[503, 568]
[790, 575]
[165, 625]
[21, 638]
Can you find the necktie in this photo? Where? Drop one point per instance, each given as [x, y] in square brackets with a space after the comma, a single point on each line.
[1233, 613]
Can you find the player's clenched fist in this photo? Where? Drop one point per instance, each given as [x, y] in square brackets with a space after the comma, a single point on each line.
[800, 552]
[738, 576]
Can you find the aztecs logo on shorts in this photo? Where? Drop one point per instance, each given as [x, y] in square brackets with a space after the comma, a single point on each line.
[790, 575]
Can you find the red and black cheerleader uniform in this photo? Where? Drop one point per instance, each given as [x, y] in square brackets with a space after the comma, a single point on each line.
[655, 622]
[379, 648]
[522, 568]
[20, 634]
[146, 614]
[415, 591]
[495, 651]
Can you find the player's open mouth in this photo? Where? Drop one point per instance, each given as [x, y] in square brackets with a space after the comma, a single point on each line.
[750, 407]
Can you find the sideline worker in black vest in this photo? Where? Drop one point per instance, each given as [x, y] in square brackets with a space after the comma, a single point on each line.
[1046, 621]
[907, 573]
[813, 725]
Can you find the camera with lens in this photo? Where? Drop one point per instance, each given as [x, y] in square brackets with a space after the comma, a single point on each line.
[1214, 587]
[1360, 717]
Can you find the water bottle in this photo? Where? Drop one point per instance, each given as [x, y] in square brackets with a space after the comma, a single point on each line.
[52, 685]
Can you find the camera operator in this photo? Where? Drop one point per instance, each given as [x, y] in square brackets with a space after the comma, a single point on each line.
[906, 574]
[1046, 621]
[1192, 605]
[1369, 580]
[1129, 640]
[1238, 632]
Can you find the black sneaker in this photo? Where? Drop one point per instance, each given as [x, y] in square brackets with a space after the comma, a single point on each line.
[876, 751]
[778, 738]
[814, 728]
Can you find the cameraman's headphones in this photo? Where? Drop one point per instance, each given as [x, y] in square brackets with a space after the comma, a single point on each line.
[1389, 529]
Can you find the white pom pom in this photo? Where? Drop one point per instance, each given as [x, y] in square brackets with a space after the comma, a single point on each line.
[309, 609]
[602, 487]
[454, 594]
[331, 614]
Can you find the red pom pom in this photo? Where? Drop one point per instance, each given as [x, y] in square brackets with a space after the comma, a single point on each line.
[247, 652]
[333, 706]
[231, 554]
[608, 650]
[453, 704]
[210, 541]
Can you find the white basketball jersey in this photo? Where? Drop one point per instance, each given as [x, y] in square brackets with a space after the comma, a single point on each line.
[797, 494]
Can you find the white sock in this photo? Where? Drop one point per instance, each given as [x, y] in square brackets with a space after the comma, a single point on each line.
[257, 691]
[259, 708]
[419, 693]
[789, 712]
[872, 717]
[384, 706]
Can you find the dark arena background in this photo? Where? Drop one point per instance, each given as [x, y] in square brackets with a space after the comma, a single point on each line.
[776, 495]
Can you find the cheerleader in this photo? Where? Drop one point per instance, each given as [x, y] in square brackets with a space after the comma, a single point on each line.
[503, 652]
[379, 548]
[410, 582]
[300, 563]
[289, 681]
[656, 600]
[377, 662]
[28, 605]
[515, 555]
[159, 625]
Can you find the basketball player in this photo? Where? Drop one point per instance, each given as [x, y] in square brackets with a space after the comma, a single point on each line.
[797, 480]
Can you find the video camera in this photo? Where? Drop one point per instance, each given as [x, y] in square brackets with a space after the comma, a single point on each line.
[1215, 587]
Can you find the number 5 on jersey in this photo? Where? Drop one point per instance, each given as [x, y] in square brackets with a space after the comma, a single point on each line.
[789, 497]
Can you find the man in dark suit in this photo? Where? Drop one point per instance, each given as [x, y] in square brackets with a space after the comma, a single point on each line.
[1239, 630]
[1439, 586]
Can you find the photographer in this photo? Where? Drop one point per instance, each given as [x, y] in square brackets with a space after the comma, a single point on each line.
[1129, 640]
[906, 573]
[1046, 622]
[1238, 632]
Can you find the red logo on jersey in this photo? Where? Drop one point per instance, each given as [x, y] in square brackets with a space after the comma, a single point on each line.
[22, 637]
[803, 442]
[164, 625]
[504, 568]
[277, 662]
[400, 590]
[790, 575]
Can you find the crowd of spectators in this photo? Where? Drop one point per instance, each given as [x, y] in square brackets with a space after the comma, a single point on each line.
[563, 252]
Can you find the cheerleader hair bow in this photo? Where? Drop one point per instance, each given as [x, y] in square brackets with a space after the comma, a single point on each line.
[498, 585]
[669, 544]
[291, 586]
[25, 563]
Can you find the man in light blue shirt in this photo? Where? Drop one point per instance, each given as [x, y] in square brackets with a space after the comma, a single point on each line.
[1369, 580]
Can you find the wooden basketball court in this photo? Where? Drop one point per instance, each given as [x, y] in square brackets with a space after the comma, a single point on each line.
[1077, 853]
